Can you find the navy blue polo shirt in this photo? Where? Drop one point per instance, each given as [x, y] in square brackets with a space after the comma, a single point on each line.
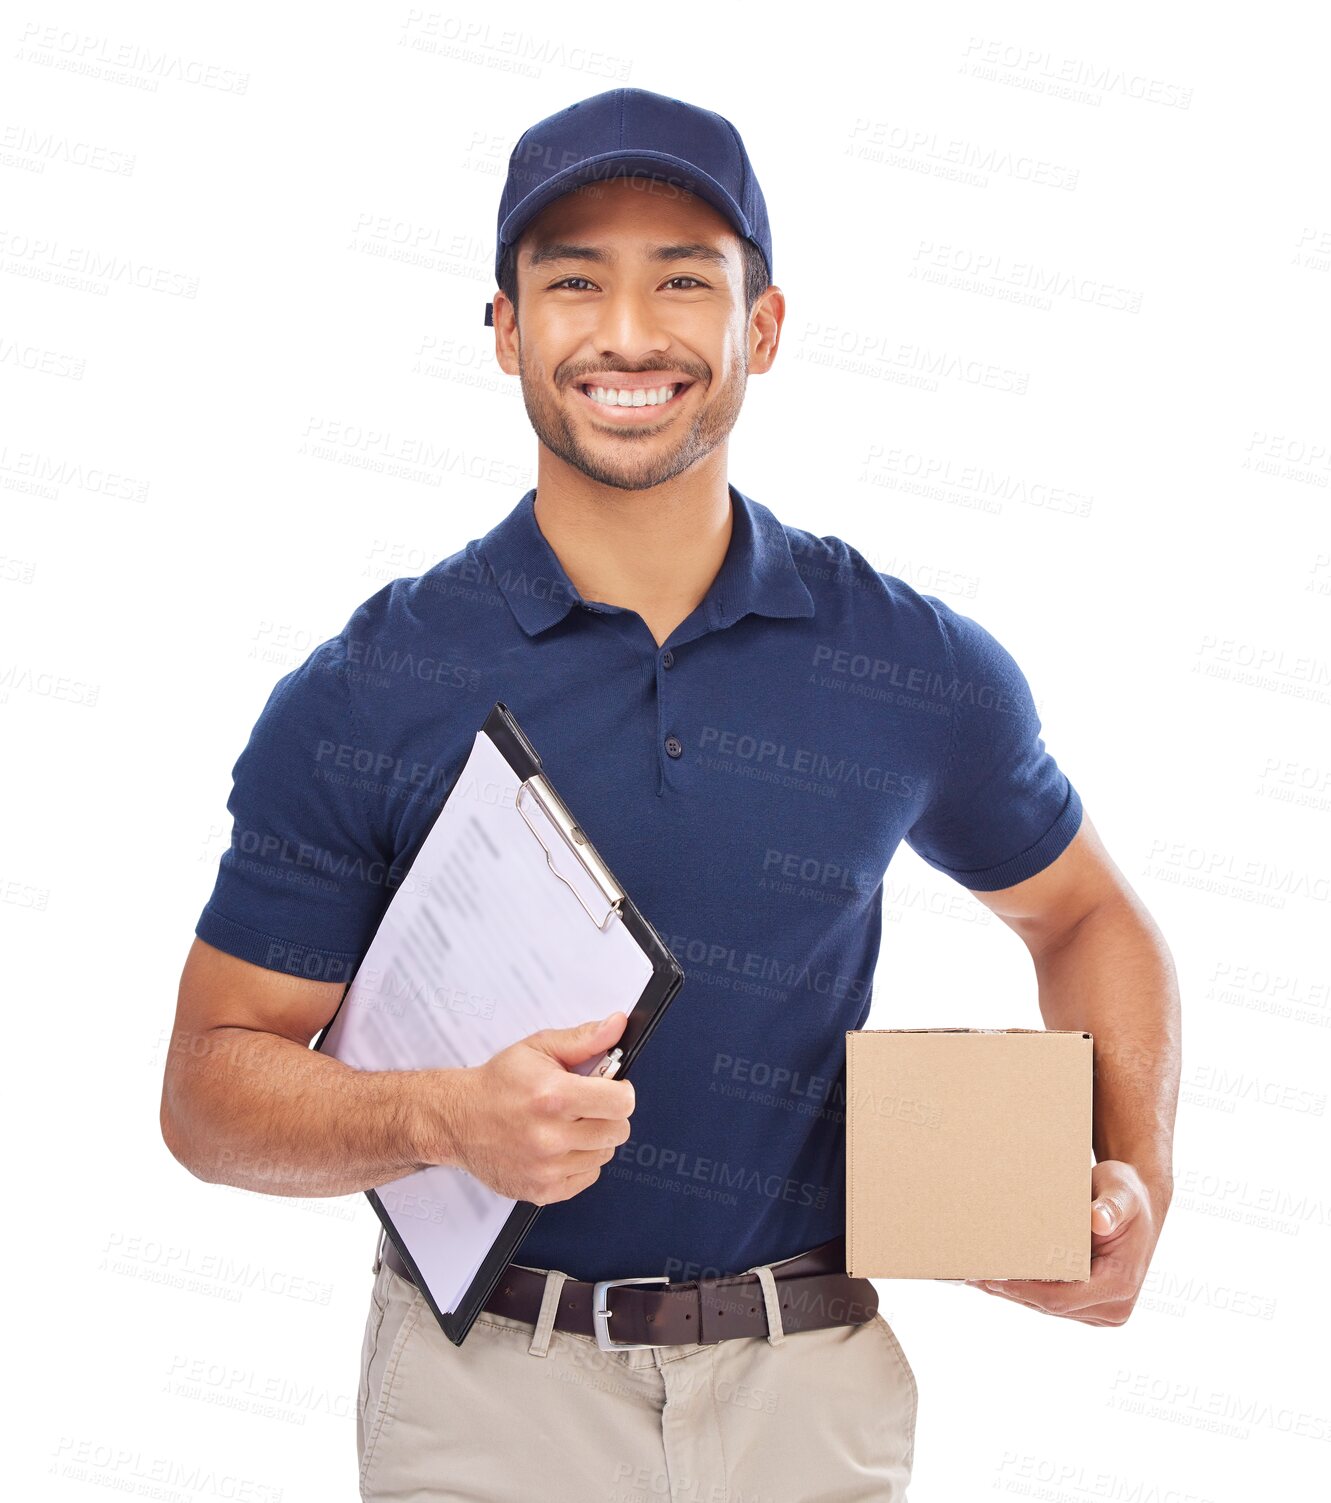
[747, 782]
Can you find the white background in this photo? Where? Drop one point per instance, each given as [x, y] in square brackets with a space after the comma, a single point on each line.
[1057, 291]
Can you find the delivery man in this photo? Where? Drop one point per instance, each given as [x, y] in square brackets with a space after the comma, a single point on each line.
[750, 719]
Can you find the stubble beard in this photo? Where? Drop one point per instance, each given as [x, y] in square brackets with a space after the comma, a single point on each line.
[632, 459]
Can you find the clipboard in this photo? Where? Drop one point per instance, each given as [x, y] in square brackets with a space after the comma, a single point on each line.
[571, 860]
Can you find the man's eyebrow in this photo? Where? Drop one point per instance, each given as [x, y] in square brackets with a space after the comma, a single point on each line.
[563, 250]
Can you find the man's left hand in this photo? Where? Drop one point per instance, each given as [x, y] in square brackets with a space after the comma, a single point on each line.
[1125, 1226]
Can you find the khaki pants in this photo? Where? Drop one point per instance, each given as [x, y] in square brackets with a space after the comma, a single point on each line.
[519, 1413]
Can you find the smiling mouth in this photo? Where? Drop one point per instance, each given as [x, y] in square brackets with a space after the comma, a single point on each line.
[632, 405]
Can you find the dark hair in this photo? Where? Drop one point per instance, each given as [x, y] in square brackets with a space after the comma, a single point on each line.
[755, 275]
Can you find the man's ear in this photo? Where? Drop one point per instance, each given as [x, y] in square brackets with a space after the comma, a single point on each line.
[769, 314]
[500, 315]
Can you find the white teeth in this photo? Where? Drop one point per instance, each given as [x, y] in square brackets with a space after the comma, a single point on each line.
[641, 397]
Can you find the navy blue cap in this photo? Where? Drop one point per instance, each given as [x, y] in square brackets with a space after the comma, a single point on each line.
[627, 132]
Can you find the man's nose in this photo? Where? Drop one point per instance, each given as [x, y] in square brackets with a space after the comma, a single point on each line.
[631, 324]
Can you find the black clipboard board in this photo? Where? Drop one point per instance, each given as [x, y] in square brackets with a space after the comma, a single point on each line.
[665, 981]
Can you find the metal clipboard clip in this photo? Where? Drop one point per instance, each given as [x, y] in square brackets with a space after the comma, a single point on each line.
[555, 811]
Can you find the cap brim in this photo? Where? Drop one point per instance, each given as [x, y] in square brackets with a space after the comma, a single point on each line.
[658, 164]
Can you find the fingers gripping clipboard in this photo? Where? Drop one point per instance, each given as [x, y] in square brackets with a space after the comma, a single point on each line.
[507, 920]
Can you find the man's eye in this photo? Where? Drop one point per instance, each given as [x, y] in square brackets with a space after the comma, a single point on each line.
[567, 280]
[683, 278]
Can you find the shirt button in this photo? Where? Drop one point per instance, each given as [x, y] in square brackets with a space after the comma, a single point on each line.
[674, 746]
[667, 659]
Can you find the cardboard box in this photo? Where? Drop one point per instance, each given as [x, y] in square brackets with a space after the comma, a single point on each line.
[968, 1153]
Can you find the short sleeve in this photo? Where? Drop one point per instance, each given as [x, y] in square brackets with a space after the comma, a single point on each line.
[303, 884]
[1002, 808]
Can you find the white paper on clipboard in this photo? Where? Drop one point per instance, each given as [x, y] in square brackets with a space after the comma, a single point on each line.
[481, 945]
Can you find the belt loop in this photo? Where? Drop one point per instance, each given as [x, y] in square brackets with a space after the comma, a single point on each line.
[545, 1321]
[379, 1249]
[775, 1330]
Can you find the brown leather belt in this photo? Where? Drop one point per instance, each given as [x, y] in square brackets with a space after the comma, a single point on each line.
[812, 1287]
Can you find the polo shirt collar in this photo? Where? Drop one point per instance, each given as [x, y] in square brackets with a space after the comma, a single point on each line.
[757, 575]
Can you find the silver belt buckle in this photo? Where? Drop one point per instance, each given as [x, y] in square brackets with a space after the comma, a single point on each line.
[601, 1314]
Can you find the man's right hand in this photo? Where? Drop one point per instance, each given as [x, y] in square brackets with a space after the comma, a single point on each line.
[529, 1127]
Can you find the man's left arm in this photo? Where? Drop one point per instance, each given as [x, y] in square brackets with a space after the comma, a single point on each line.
[1102, 965]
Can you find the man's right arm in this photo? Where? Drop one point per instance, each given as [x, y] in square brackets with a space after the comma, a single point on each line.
[247, 1102]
